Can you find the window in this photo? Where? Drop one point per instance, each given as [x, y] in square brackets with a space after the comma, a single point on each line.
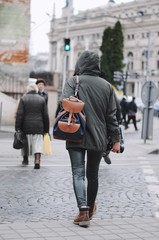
[132, 36]
[130, 54]
[95, 36]
[80, 38]
[133, 87]
[142, 65]
[130, 65]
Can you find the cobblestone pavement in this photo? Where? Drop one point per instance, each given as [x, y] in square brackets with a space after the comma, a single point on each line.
[44, 199]
[126, 187]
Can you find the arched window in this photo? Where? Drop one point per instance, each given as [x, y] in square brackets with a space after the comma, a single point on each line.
[130, 65]
[130, 54]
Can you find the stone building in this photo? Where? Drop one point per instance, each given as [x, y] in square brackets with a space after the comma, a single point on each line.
[140, 23]
[14, 46]
[14, 55]
[15, 62]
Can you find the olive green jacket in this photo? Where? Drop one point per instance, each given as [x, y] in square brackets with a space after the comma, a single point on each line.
[100, 106]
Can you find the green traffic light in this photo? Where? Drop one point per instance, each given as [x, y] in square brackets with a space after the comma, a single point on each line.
[67, 44]
[67, 47]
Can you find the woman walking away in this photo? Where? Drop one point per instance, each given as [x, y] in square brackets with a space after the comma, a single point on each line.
[100, 110]
[32, 118]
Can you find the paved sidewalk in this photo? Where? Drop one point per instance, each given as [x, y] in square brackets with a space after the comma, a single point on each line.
[40, 205]
[111, 229]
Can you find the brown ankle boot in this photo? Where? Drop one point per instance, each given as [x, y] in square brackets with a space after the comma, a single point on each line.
[83, 217]
[92, 212]
[25, 160]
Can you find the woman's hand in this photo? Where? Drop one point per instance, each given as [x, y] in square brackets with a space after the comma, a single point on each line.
[116, 147]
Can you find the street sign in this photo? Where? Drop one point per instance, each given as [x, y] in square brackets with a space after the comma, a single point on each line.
[117, 73]
[149, 93]
[118, 76]
[133, 75]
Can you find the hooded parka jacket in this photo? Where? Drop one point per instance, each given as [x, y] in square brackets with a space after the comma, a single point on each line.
[100, 106]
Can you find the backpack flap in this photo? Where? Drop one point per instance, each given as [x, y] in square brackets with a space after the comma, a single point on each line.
[72, 104]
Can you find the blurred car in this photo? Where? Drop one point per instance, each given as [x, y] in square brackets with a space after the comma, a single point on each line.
[156, 108]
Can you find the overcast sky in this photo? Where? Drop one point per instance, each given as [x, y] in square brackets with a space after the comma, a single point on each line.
[41, 12]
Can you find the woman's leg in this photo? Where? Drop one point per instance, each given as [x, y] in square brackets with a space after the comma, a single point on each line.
[93, 161]
[37, 160]
[25, 154]
[78, 173]
[37, 148]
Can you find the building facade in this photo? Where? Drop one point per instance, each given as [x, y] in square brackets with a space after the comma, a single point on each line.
[14, 46]
[140, 24]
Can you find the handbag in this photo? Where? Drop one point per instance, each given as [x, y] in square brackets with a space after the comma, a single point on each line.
[20, 140]
[47, 145]
[70, 123]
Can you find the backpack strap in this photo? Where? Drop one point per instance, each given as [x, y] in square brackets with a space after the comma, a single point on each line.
[77, 86]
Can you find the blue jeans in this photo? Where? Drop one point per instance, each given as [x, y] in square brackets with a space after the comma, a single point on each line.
[77, 157]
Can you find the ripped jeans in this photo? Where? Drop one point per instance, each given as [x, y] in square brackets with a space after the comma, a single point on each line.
[77, 157]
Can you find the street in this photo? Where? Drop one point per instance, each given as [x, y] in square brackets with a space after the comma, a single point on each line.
[128, 188]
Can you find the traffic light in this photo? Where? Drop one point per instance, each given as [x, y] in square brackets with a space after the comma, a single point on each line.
[67, 44]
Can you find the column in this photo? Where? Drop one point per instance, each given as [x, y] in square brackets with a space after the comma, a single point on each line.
[58, 56]
[87, 43]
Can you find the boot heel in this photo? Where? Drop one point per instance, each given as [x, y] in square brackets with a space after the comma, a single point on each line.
[84, 223]
[37, 166]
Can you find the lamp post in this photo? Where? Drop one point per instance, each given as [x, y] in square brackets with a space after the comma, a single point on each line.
[68, 3]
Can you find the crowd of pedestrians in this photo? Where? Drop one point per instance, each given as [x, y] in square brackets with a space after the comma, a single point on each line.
[128, 110]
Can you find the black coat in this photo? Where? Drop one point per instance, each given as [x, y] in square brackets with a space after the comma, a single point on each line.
[44, 94]
[32, 115]
[131, 108]
[123, 105]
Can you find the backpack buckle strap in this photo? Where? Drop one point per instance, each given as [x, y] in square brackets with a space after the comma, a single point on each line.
[77, 85]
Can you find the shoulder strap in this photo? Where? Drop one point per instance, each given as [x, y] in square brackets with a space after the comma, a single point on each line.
[77, 85]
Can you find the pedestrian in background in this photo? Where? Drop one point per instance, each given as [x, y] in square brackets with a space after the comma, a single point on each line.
[124, 105]
[131, 111]
[41, 91]
[100, 109]
[32, 118]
